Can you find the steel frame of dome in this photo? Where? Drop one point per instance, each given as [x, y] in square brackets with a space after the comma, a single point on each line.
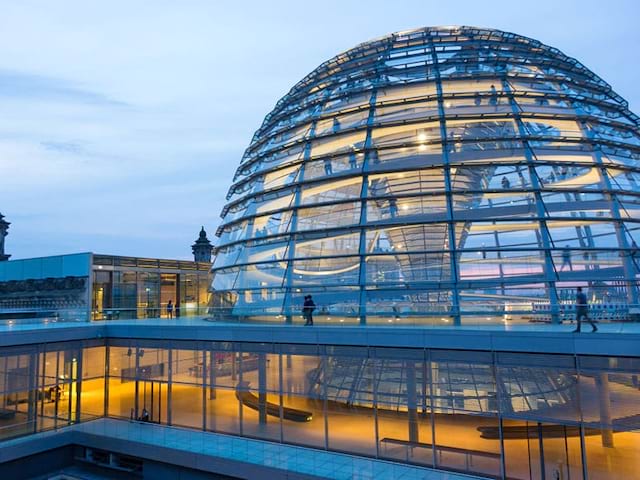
[440, 173]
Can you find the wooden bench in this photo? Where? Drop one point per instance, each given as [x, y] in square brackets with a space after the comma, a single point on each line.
[251, 400]
[520, 432]
[440, 449]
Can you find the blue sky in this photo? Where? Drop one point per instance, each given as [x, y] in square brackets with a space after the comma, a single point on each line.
[122, 123]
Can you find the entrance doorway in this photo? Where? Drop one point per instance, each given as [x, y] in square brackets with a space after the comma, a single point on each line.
[151, 398]
[542, 451]
[169, 292]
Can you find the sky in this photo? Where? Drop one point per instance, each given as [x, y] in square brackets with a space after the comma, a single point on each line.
[122, 122]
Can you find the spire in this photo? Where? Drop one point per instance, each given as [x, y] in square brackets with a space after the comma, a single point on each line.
[4, 227]
[202, 248]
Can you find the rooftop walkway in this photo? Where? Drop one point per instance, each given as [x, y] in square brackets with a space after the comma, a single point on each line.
[611, 339]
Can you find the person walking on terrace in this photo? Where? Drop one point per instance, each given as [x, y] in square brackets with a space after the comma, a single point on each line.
[582, 310]
[307, 309]
[566, 258]
[170, 309]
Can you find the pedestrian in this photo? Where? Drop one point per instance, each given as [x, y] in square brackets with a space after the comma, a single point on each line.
[505, 182]
[566, 258]
[328, 170]
[145, 417]
[170, 309]
[307, 309]
[393, 207]
[582, 310]
[336, 126]
[493, 95]
[353, 162]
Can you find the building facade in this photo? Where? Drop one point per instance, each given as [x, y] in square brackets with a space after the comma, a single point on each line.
[442, 174]
[482, 405]
[87, 286]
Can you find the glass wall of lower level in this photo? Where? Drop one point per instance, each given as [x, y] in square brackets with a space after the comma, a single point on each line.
[499, 415]
[49, 386]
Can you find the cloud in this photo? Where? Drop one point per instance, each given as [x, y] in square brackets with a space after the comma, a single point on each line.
[73, 148]
[17, 84]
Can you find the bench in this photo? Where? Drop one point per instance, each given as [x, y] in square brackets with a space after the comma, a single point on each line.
[440, 449]
[251, 400]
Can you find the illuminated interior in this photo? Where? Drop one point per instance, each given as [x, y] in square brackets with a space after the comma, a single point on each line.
[444, 173]
[476, 412]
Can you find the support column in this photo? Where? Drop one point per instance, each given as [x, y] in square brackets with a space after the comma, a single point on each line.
[204, 390]
[169, 384]
[234, 365]
[212, 375]
[136, 406]
[77, 368]
[262, 388]
[604, 401]
[412, 403]
[33, 392]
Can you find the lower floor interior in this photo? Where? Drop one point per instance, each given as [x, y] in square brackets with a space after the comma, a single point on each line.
[518, 416]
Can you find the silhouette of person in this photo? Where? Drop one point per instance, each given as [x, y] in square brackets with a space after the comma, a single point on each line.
[393, 208]
[566, 258]
[493, 99]
[582, 311]
[144, 417]
[328, 170]
[308, 307]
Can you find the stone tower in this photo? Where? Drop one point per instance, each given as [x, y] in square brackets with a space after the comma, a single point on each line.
[202, 248]
[4, 226]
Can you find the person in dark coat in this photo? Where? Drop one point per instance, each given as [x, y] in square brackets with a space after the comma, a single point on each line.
[307, 309]
[582, 310]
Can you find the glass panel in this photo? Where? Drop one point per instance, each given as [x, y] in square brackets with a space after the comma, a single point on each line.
[337, 144]
[327, 246]
[401, 269]
[272, 224]
[303, 386]
[404, 422]
[401, 183]
[390, 94]
[326, 271]
[332, 191]
[350, 405]
[341, 122]
[539, 387]
[409, 209]
[423, 133]
[329, 216]
[407, 238]
[491, 235]
[541, 450]
[405, 111]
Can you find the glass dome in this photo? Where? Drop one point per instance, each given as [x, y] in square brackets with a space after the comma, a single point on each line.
[446, 174]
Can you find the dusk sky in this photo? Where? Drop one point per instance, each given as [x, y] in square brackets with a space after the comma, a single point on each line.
[122, 122]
